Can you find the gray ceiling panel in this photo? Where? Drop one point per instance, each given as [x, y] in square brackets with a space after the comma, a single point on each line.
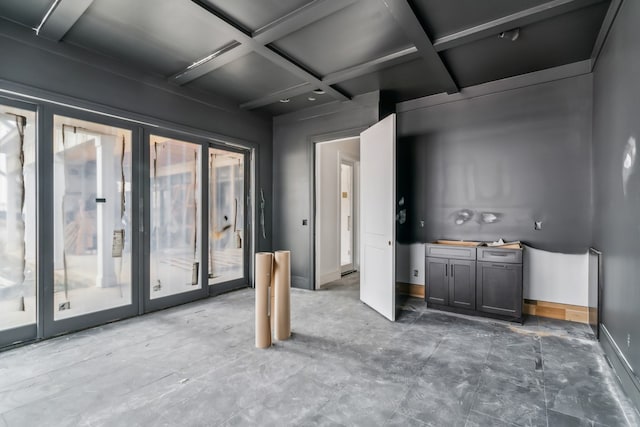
[357, 34]
[445, 17]
[296, 103]
[162, 36]
[561, 40]
[401, 82]
[253, 14]
[246, 78]
[25, 12]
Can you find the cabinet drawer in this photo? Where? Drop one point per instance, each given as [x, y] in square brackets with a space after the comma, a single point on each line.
[455, 252]
[510, 256]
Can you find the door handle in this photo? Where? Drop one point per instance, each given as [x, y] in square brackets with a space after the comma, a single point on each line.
[389, 242]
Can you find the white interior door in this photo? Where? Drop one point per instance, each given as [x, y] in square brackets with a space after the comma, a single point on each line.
[378, 217]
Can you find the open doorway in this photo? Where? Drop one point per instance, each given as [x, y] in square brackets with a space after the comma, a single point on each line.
[337, 203]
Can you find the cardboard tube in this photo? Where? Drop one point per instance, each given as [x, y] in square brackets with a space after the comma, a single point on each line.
[282, 294]
[264, 266]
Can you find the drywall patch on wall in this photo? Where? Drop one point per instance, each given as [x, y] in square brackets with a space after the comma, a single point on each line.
[490, 167]
[556, 277]
[409, 261]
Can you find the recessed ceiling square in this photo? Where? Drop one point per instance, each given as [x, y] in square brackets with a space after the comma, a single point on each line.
[253, 14]
[441, 18]
[354, 35]
[247, 78]
[565, 39]
[162, 36]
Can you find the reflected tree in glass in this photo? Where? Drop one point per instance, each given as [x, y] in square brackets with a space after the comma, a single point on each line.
[226, 215]
[17, 218]
[175, 216]
[92, 217]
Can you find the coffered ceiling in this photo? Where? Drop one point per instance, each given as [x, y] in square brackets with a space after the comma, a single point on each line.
[278, 56]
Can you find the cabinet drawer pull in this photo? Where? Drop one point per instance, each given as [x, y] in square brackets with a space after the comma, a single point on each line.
[499, 254]
[499, 265]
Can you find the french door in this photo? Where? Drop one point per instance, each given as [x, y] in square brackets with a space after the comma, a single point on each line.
[176, 224]
[102, 220]
[228, 248]
[18, 303]
[90, 188]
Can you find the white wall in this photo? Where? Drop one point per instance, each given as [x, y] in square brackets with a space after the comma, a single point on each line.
[328, 207]
[548, 276]
[410, 258]
[556, 277]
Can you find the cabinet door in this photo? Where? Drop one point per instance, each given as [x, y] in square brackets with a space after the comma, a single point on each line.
[499, 289]
[462, 284]
[437, 285]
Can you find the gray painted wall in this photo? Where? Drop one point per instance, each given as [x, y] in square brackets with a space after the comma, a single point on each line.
[79, 76]
[616, 232]
[293, 167]
[523, 155]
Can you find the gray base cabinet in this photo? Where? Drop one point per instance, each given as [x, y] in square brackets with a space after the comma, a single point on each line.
[499, 289]
[451, 282]
[491, 286]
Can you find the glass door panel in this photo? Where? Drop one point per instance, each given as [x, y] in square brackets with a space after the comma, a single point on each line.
[346, 217]
[226, 215]
[175, 168]
[17, 218]
[92, 217]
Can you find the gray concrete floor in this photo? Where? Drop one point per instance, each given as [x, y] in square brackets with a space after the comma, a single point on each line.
[196, 365]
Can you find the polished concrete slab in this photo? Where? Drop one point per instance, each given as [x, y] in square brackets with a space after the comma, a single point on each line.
[196, 365]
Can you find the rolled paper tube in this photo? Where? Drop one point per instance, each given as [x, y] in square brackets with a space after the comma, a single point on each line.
[282, 292]
[264, 266]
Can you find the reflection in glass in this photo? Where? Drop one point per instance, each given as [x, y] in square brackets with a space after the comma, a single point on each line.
[226, 215]
[92, 217]
[175, 217]
[346, 216]
[17, 218]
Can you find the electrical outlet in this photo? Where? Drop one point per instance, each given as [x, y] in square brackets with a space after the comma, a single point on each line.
[628, 340]
[415, 273]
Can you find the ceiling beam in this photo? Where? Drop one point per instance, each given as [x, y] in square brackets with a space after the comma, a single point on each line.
[390, 60]
[538, 13]
[409, 23]
[609, 18]
[274, 97]
[395, 58]
[299, 18]
[59, 19]
[242, 36]
[217, 59]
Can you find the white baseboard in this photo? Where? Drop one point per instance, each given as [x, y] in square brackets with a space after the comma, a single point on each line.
[329, 277]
